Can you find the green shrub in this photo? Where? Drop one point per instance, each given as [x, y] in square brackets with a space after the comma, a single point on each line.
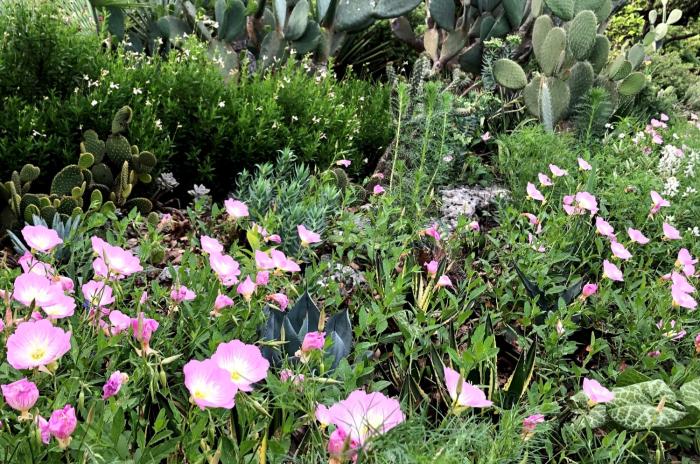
[42, 55]
[202, 129]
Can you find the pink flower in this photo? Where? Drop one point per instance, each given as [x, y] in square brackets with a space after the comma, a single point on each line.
[530, 422]
[281, 300]
[21, 395]
[588, 290]
[113, 384]
[119, 263]
[41, 238]
[341, 447]
[181, 293]
[585, 200]
[654, 354]
[486, 136]
[584, 165]
[119, 321]
[313, 341]
[664, 117]
[657, 139]
[681, 283]
[282, 263]
[432, 268]
[620, 251]
[62, 423]
[263, 261]
[344, 163]
[274, 238]
[97, 293]
[262, 278]
[557, 171]
[236, 209]
[323, 414]
[307, 237]
[246, 288]
[211, 245]
[244, 364]
[225, 267]
[43, 426]
[144, 298]
[221, 302]
[469, 395]
[29, 263]
[657, 202]
[209, 385]
[612, 272]
[670, 232]
[474, 226]
[534, 194]
[36, 344]
[596, 393]
[686, 261]
[697, 343]
[34, 288]
[63, 306]
[657, 124]
[378, 175]
[532, 218]
[433, 231]
[637, 236]
[362, 415]
[567, 204]
[444, 281]
[66, 283]
[604, 228]
[682, 299]
[545, 181]
[378, 190]
[287, 375]
[143, 329]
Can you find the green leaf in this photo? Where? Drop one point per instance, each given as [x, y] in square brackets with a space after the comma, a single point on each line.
[644, 406]
[443, 12]
[340, 331]
[520, 379]
[298, 21]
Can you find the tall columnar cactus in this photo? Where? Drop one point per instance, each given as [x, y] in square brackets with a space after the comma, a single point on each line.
[572, 58]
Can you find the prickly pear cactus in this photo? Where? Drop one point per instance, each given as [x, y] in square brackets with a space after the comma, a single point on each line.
[572, 59]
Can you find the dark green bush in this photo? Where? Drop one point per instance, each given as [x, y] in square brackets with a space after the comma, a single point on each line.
[40, 54]
[202, 129]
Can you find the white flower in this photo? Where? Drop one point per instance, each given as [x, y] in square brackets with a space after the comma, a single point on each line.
[93, 103]
[112, 85]
[222, 104]
[159, 124]
[137, 91]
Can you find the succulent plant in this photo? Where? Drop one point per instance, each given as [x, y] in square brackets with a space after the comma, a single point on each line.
[292, 326]
[572, 59]
[456, 35]
[91, 180]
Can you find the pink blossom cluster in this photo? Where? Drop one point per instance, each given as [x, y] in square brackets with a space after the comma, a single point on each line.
[214, 382]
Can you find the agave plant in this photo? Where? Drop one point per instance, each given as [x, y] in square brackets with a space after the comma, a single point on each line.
[65, 228]
[291, 327]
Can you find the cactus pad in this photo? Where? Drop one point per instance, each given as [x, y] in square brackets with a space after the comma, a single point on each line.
[552, 51]
[29, 173]
[599, 53]
[580, 81]
[66, 179]
[563, 9]
[582, 34]
[632, 84]
[92, 144]
[121, 120]
[509, 74]
[118, 149]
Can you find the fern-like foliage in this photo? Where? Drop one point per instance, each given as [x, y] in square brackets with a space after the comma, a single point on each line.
[594, 111]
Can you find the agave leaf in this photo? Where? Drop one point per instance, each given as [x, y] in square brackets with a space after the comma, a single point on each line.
[271, 331]
[532, 289]
[519, 380]
[572, 292]
[339, 329]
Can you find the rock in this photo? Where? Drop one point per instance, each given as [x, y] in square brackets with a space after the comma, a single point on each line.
[467, 201]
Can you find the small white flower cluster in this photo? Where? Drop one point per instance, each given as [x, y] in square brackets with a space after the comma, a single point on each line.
[670, 160]
[671, 187]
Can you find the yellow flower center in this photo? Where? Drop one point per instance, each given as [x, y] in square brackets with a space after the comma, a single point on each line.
[38, 354]
[235, 376]
[199, 394]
